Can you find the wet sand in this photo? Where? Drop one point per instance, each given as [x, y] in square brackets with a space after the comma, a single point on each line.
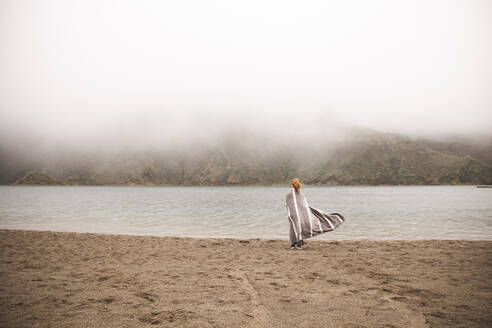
[50, 279]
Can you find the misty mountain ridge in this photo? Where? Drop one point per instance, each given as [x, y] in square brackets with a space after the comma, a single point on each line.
[356, 157]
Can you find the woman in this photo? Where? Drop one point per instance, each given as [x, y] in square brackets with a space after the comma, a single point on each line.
[306, 221]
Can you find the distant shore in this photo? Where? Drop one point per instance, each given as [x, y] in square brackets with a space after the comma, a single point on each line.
[53, 279]
[245, 185]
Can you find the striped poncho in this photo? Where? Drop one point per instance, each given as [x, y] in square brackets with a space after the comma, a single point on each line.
[306, 221]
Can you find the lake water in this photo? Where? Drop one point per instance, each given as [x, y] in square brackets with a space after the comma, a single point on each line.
[376, 213]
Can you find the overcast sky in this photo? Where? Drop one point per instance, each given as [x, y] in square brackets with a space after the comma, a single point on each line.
[79, 69]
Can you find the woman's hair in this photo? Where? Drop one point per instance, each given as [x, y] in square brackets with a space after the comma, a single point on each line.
[296, 184]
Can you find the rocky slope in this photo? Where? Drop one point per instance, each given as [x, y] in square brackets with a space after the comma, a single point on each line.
[37, 179]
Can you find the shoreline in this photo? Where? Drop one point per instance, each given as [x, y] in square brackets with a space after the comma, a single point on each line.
[60, 279]
[286, 239]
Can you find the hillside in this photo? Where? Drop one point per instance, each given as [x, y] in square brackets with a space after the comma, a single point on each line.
[37, 179]
[366, 158]
[381, 159]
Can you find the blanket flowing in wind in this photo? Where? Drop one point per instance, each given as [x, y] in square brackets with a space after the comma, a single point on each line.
[307, 221]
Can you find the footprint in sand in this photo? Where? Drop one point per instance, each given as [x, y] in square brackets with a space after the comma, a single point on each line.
[158, 317]
[107, 300]
[149, 297]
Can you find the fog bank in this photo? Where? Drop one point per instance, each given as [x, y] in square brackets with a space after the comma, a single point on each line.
[149, 74]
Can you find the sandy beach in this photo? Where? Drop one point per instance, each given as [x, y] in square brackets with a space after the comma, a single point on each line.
[51, 279]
